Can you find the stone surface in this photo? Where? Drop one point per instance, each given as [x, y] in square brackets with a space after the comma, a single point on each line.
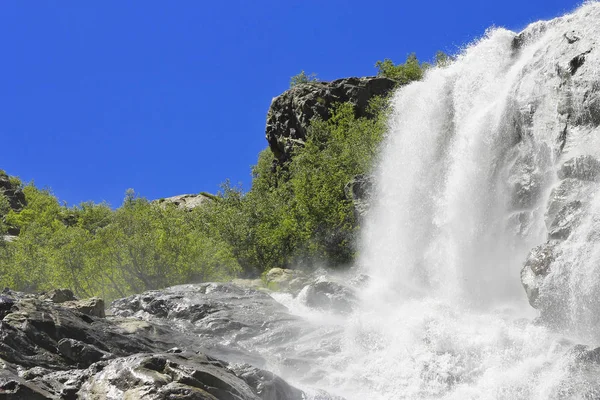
[93, 306]
[156, 345]
[59, 295]
[185, 375]
[328, 295]
[536, 267]
[290, 113]
[185, 201]
[585, 168]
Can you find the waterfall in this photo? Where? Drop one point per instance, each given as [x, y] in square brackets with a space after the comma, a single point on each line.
[479, 167]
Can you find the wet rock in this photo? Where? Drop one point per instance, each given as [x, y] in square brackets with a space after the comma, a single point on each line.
[329, 295]
[31, 334]
[217, 313]
[572, 36]
[266, 385]
[14, 387]
[569, 191]
[81, 353]
[65, 354]
[565, 220]
[185, 375]
[537, 266]
[585, 168]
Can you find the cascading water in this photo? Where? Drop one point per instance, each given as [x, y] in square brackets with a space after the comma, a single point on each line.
[467, 186]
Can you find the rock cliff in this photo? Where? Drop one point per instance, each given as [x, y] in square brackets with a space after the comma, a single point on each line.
[290, 113]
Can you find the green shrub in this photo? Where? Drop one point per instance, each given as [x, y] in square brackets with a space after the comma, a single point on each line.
[302, 77]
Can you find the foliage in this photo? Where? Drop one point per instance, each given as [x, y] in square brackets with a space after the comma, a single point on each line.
[97, 251]
[411, 70]
[303, 77]
[296, 214]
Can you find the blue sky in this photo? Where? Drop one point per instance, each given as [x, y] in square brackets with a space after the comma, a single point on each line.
[171, 97]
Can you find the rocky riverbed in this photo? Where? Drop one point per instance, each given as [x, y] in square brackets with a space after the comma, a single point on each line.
[197, 341]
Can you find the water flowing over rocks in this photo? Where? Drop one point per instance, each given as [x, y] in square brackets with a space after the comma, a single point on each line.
[488, 184]
[156, 345]
[290, 113]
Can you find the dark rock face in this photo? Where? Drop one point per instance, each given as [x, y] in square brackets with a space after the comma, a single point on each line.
[51, 350]
[290, 113]
[15, 195]
[16, 199]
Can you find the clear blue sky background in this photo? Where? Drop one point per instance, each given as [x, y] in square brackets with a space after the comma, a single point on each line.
[170, 97]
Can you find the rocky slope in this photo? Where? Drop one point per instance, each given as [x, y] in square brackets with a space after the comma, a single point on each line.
[187, 342]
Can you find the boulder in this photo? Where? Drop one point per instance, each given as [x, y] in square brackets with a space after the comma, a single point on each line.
[536, 268]
[184, 375]
[585, 168]
[59, 295]
[291, 113]
[93, 306]
[328, 295]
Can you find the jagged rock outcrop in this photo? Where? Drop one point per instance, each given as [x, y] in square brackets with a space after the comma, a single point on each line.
[185, 201]
[13, 192]
[290, 113]
[156, 345]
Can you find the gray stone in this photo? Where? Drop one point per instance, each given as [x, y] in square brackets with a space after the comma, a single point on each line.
[327, 294]
[93, 306]
[536, 268]
[585, 168]
[185, 201]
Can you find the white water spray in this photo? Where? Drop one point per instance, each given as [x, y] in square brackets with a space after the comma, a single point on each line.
[463, 191]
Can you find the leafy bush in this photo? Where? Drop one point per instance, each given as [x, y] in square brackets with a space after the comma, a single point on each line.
[411, 70]
[302, 77]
